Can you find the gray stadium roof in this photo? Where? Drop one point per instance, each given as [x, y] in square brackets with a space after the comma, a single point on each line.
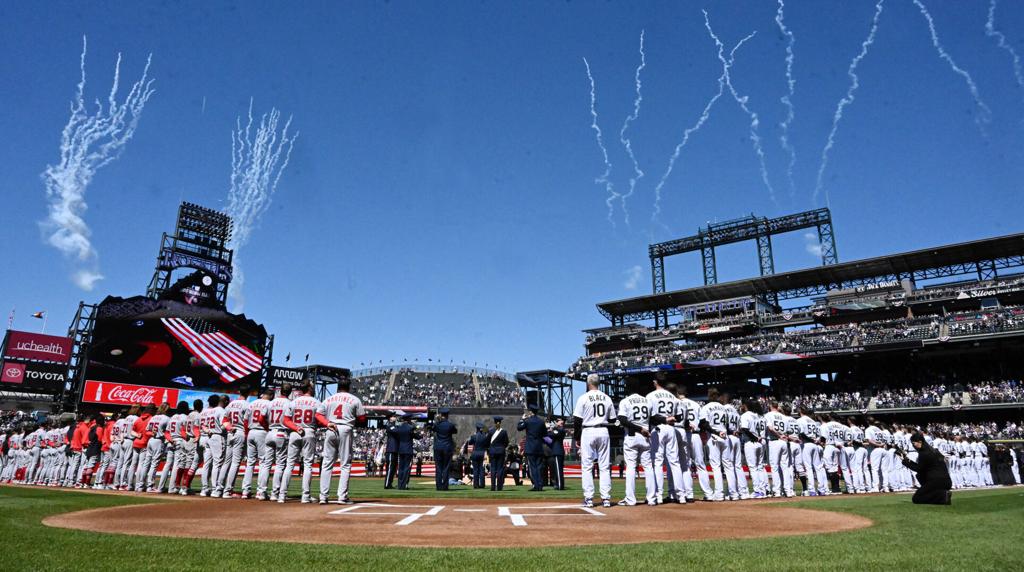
[1004, 251]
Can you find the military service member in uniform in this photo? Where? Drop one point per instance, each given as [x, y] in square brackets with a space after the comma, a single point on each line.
[497, 441]
[444, 448]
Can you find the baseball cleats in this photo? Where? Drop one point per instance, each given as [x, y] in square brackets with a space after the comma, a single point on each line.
[306, 500]
[652, 503]
[624, 503]
[280, 499]
[204, 493]
[261, 496]
[345, 500]
[588, 503]
[607, 503]
[323, 501]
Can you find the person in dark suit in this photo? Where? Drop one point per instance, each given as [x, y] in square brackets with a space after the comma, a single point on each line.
[497, 440]
[390, 454]
[557, 437]
[931, 473]
[444, 448]
[406, 434]
[535, 428]
[478, 442]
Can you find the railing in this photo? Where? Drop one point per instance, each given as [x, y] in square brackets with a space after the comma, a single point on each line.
[432, 368]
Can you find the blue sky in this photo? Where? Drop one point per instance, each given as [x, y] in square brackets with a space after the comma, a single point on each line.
[440, 201]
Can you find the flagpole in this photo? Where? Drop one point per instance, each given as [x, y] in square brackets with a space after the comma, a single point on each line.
[10, 319]
[45, 315]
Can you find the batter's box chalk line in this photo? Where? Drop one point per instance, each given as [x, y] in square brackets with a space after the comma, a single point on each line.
[410, 517]
[519, 519]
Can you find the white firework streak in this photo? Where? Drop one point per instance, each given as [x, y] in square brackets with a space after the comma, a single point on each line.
[787, 99]
[705, 114]
[992, 32]
[89, 141]
[626, 142]
[986, 113]
[755, 137]
[604, 179]
[256, 168]
[846, 100]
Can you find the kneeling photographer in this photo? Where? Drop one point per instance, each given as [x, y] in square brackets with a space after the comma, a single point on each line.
[931, 473]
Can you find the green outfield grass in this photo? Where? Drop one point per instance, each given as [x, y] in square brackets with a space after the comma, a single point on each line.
[981, 531]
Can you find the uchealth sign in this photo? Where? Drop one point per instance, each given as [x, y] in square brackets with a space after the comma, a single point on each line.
[114, 393]
[31, 376]
[28, 345]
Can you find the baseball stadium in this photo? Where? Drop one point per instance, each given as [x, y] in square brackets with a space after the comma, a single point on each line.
[777, 407]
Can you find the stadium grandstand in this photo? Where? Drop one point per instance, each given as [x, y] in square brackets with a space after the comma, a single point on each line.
[938, 329]
[435, 386]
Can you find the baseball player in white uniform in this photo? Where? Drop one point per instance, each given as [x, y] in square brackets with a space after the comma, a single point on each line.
[211, 426]
[237, 416]
[732, 427]
[779, 457]
[256, 442]
[877, 458]
[693, 445]
[752, 434]
[714, 418]
[635, 417]
[834, 455]
[662, 407]
[340, 413]
[810, 432]
[302, 443]
[796, 450]
[857, 453]
[593, 413]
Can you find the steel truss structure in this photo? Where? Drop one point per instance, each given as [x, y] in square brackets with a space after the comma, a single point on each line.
[556, 388]
[758, 229]
[200, 242]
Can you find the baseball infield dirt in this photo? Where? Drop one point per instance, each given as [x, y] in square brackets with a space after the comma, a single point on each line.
[430, 522]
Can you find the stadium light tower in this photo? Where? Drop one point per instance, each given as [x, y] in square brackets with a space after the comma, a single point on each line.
[199, 242]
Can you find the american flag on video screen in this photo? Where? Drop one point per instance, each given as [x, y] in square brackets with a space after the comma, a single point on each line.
[227, 357]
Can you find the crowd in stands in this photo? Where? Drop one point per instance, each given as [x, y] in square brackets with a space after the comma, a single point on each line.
[808, 340]
[843, 401]
[997, 392]
[432, 390]
[929, 396]
[982, 430]
[498, 392]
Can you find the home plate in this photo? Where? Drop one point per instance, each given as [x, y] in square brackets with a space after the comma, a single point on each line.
[391, 510]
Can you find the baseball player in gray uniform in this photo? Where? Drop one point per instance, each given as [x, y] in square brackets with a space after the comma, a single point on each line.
[175, 426]
[593, 413]
[635, 417]
[237, 416]
[340, 413]
[302, 443]
[256, 442]
[279, 423]
[156, 429]
[212, 429]
[192, 447]
[662, 407]
[124, 464]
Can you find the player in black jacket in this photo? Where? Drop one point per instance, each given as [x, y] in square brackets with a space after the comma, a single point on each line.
[931, 473]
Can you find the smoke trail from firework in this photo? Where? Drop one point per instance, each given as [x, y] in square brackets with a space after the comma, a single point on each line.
[626, 142]
[986, 113]
[846, 100]
[258, 158]
[705, 114]
[604, 179]
[787, 99]
[755, 137]
[992, 32]
[89, 141]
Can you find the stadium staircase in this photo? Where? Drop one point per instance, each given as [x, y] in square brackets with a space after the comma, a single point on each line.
[391, 387]
[476, 390]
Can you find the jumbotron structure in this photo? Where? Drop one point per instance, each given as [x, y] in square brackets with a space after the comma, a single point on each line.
[950, 314]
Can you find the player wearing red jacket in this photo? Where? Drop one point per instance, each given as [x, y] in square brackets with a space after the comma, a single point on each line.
[76, 459]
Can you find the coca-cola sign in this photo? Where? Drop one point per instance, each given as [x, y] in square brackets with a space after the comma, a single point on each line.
[27, 345]
[126, 394]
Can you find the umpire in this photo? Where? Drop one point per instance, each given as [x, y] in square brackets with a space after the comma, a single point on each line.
[444, 448]
[536, 430]
[498, 441]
